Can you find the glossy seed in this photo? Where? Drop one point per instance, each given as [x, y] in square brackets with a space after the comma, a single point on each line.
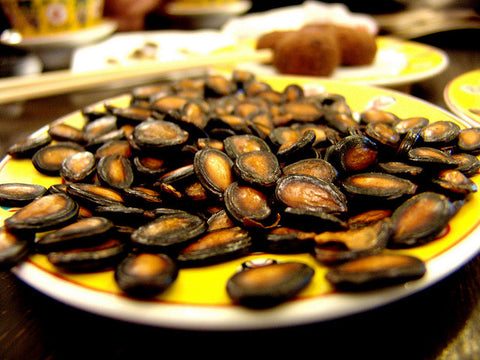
[169, 231]
[269, 285]
[455, 182]
[440, 132]
[64, 132]
[469, 140]
[13, 248]
[48, 160]
[259, 168]
[145, 275]
[245, 202]
[92, 195]
[81, 233]
[215, 247]
[115, 171]
[310, 193]
[20, 194]
[214, 170]
[240, 144]
[44, 213]
[376, 271]
[420, 218]
[78, 167]
[158, 134]
[100, 257]
[314, 167]
[379, 185]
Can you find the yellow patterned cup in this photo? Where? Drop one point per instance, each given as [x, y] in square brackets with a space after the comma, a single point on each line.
[42, 17]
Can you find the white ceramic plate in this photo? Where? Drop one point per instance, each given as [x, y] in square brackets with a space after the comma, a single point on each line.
[198, 300]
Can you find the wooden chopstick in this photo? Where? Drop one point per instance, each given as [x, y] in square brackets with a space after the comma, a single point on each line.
[63, 81]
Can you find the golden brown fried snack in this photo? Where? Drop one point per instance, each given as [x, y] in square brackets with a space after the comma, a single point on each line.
[357, 46]
[269, 39]
[307, 52]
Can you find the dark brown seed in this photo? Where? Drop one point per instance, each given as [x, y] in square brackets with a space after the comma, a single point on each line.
[92, 195]
[302, 111]
[216, 246]
[48, 160]
[64, 132]
[468, 164]
[310, 193]
[440, 132]
[158, 134]
[404, 125]
[314, 167]
[259, 168]
[469, 140]
[96, 258]
[169, 231]
[13, 248]
[28, 147]
[99, 127]
[356, 153]
[341, 121]
[214, 170]
[78, 167]
[44, 213]
[115, 171]
[378, 185]
[375, 116]
[118, 146]
[401, 169]
[376, 271]
[240, 144]
[218, 86]
[168, 102]
[245, 202]
[79, 234]
[145, 275]
[20, 194]
[383, 133]
[431, 157]
[269, 285]
[420, 219]
[454, 181]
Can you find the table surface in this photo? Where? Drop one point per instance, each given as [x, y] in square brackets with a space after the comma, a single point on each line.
[441, 322]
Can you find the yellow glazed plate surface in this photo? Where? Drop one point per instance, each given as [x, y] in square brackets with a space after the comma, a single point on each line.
[198, 300]
[462, 96]
[398, 62]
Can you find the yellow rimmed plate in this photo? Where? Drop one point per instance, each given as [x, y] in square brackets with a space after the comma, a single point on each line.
[198, 299]
[397, 63]
[462, 96]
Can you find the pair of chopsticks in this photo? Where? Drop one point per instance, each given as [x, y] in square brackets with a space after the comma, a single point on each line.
[64, 81]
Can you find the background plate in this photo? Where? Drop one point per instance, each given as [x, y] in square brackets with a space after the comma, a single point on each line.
[397, 63]
[462, 96]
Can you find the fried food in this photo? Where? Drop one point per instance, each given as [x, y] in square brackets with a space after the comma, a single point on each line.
[307, 52]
